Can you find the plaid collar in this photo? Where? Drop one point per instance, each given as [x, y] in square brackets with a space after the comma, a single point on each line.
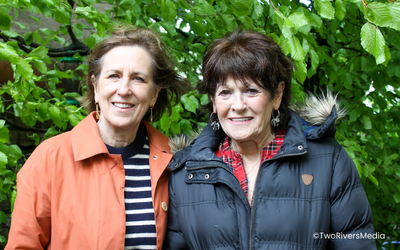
[234, 159]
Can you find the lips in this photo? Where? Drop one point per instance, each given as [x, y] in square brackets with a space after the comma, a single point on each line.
[123, 105]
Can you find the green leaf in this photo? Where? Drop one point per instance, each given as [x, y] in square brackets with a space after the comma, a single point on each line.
[40, 65]
[176, 111]
[198, 28]
[296, 50]
[168, 10]
[393, 156]
[372, 40]
[367, 122]
[5, 20]
[394, 8]
[169, 27]
[298, 19]
[62, 16]
[39, 52]
[14, 153]
[288, 29]
[246, 21]
[325, 9]
[175, 128]
[301, 71]
[204, 99]
[204, 8]
[384, 57]
[55, 115]
[230, 22]
[7, 53]
[314, 59]
[165, 122]
[3, 160]
[396, 195]
[186, 126]
[10, 33]
[258, 9]
[374, 180]
[189, 103]
[25, 70]
[4, 133]
[377, 13]
[50, 132]
[241, 7]
[92, 40]
[340, 8]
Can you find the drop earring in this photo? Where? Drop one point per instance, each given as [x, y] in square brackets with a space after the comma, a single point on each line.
[151, 114]
[275, 120]
[214, 121]
[97, 111]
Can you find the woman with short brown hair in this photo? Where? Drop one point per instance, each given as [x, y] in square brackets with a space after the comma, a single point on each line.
[103, 185]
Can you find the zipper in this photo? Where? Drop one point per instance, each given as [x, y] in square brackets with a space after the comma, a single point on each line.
[255, 193]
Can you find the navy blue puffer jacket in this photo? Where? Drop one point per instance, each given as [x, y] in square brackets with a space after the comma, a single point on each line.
[209, 210]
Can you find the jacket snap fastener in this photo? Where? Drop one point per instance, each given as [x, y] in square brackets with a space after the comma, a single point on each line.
[155, 157]
[190, 176]
[300, 147]
[164, 206]
[207, 176]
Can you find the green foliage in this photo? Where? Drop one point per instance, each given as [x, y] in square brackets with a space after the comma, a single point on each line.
[348, 46]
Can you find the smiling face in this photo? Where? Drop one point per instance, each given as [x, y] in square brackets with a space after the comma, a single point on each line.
[244, 110]
[124, 89]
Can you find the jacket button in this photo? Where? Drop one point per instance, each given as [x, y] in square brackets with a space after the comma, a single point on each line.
[164, 206]
[207, 176]
[155, 157]
[300, 147]
[190, 176]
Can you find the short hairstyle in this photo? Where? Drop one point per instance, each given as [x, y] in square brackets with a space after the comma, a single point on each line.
[244, 56]
[165, 76]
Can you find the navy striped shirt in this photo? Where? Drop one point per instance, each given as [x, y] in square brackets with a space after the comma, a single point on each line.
[140, 222]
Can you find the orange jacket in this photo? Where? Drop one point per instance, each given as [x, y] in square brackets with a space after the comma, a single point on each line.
[71, 192]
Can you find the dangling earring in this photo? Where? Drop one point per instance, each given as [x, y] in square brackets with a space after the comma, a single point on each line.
[214, 121]
[151, 114]
[275, 120]
[97, 111]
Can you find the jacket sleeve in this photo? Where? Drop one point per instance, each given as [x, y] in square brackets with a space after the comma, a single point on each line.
[351, 215]
[174, 239]
[31, 218]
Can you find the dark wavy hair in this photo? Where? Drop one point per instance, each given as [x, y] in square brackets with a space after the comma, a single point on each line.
[244, 56]
[165, 76]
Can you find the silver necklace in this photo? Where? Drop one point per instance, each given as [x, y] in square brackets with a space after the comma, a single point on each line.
[257, 163]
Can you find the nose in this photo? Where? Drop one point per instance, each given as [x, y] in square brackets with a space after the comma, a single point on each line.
[239, 103]
[123, 87]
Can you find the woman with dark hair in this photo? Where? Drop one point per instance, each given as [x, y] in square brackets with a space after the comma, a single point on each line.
[103, 185]
[260, 176]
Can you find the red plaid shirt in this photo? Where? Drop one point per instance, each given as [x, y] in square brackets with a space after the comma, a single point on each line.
[235, 160]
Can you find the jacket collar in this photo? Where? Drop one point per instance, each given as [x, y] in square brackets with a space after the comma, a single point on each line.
[86, 140]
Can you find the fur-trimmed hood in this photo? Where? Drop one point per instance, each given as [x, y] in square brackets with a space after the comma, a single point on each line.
[313, 112]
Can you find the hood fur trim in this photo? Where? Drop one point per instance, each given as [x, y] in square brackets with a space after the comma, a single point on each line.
[179, 142]
[316, 109]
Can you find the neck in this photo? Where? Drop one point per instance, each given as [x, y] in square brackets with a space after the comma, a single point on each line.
[251, 148]
[117, 137]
